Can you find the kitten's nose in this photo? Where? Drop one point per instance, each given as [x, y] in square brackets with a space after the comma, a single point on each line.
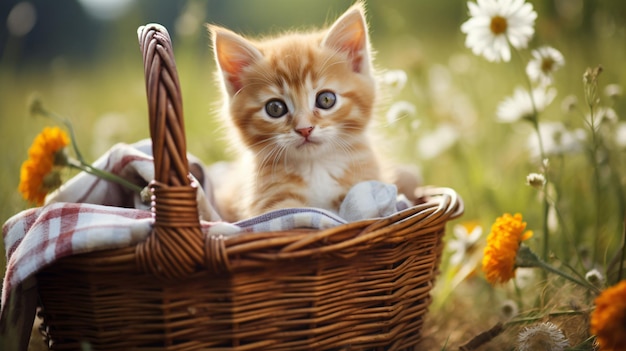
[305, 132]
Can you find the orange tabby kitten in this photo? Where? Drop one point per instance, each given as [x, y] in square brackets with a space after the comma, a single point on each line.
[300, 105]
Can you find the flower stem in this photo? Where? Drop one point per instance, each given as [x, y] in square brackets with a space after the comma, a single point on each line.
[526, 258]
[70, 129]
[558, 272]
[623, 256]
[103, 174]
[518, 293]
[542, 317]
[596, 180]
[569, 237]
[544, 162]
[590, 81]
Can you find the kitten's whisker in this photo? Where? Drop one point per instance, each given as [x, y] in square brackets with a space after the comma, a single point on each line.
[267, 140]
[348, 149]
[268, 156]
[265, 155]
[279, 155]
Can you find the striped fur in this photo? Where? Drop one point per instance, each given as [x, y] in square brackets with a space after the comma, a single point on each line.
[278, 166]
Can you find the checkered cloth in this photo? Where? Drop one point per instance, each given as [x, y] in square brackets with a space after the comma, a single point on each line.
[90, 214]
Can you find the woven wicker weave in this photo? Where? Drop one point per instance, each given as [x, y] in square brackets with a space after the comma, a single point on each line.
[362, 285]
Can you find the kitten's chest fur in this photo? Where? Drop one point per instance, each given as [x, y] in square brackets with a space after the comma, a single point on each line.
[323, 179]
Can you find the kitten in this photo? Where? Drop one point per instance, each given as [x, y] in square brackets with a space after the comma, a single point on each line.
[299, 105]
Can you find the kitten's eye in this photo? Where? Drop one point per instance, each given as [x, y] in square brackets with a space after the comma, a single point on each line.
[325, 100]
[276, 108]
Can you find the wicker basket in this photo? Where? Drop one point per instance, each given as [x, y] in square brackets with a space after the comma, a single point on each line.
[362, 285]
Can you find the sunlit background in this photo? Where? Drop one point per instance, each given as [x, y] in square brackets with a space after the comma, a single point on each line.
[82, 58]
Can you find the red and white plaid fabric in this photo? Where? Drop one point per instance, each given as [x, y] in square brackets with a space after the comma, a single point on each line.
[37, 237]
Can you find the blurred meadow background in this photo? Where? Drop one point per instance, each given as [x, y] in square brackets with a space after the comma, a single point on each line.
[438, 113]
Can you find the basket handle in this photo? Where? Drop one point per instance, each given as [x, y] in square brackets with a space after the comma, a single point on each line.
[175, 247]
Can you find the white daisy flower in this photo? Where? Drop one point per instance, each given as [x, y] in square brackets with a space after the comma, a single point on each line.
[602, 115]
[569, 103]
[546, 60]
[613, 91]
[544, 336]
[557, 139]
[536, 180]
[466, 236]
[400, 110]
[395, 79]
[437, 141]
[520, 106]
[496, 23]
[620, 135]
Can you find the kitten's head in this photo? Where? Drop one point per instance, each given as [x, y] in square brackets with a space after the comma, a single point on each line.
[301, 93]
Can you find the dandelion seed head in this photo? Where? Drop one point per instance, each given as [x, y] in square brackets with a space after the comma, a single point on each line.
[544, 336]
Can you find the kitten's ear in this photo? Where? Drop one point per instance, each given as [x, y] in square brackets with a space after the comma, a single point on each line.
[349, 34]
[232, 53]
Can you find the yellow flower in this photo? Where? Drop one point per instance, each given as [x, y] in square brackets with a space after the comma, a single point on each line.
[38, 175]
[608, 321]
[503, 242]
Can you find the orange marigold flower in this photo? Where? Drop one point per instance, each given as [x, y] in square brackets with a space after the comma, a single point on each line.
[608, 320]
[503, 242]
[36, 175]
